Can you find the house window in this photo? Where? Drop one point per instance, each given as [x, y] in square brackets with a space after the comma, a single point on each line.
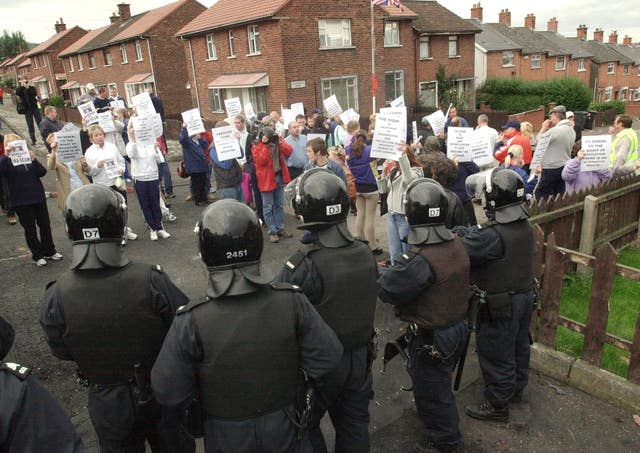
[429, 94]
[507, 58]
[35, 63]
[131, 89]
[71, 68]
[625, 70]
[393, 85]
[581, 66]
[80, 65]
[138, 50]
[92, 60]
[391, 34]
[636, 94]
[212, 54]
[123, 54]
[425, 50]
[611, 68]
[608, 93]
[44, 61]
[232, 45]
[453, 46]
[345, 89]
[254, 39]
[622, 94]
[256, 95]
[215, 100]
[108, 61]
[560, 63]
[334, 33]
[536, 61]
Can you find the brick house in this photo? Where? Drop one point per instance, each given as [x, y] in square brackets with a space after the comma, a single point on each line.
[279, 52]
[133, 53]
[633, 76]
[47, 72]
[24, 69]
[10, 66]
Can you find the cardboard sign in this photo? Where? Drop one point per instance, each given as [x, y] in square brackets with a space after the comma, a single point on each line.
[459, 143]
[322, 137]
[111, 168]
[349, 115]
[69, 147]
[399, 102]
[597, 150]
[297, 109]
[193, 121]
[156, 123]
[541, 148]
[142, 103]
[288, 116]
[105, 120]
[227, 146]
[437, 120]
[391, 129]
[19, 153]
[249, 112]
[233, 107]
[143, 126]
[414, 130]
[332, 106]
[117, 104]
[480, 148]
[88, 113]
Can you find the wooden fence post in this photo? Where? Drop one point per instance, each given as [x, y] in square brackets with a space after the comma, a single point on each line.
[634, 360]
[554, 271]
[587, 235]
[538, 257]
[603, 273]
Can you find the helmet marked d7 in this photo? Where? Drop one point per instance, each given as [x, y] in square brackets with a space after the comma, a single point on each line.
[321, 199]
[425, 203]
[503, 187]
[95, 213]
[229, 234]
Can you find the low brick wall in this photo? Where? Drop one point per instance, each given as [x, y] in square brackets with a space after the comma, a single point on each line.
[535, 117]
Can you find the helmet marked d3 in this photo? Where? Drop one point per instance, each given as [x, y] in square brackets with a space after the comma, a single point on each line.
[321, 199]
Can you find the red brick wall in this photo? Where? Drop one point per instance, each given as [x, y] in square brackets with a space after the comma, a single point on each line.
[462, 65]
[495, 69]
[535, 117]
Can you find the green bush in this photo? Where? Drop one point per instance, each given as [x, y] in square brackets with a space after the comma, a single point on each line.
[56, 101]
[620, 106]
[8, 81]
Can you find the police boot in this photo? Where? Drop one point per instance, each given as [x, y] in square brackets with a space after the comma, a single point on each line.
[516, 398]
[485, 411]
[429, 447]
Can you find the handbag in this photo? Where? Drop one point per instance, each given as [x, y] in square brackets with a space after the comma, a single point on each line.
[181, 171]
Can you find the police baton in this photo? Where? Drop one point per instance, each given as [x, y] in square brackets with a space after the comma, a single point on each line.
[478, 297]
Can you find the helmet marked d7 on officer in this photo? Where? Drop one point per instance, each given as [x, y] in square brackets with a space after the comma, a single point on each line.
[426, 207]
[504, 193]
[95, 213]
[229, 234]
[321, 199]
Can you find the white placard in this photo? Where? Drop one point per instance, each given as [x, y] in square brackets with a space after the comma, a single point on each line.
[142, 103]
[226, 143]
[233, 107]
[111, 168]
[288, 116]
[414, 130]
[88, 113]
[597, 149]
[459, 143]
[19, 153]
[105, 120]
[391, 129]
[143, 126]
[156, 123]
[332, 106]
[117, 104]
[399, 102]
[297, 108]
[322, 137]
[193, 121]
[437, 120]
[541, 148]
[446, 115]
[349, 115]
[480, 148]
[69, 146]
[249, 112]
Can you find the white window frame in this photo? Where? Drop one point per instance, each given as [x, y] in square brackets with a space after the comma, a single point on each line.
[80, 64]
[392, 34]
[131, 89]
[425, 48]
[253, 37]
[345, 32]
[453, 45]
[212, 52]
[608, 93]
[536, 58]
[636, 94]
[398, 84]
[71, 68]
[216, 102]
[232, 45]
[561, 63]
[508, 59]
[35, 62]
[139, 50]
[611, 68]
[92, 60]
[123, 53]
[622, 94]
[420, 87]
[581, 65]
[625, 69]
[351, 82]
[108, 59]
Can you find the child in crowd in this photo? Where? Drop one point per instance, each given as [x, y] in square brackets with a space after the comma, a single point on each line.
[338, 155]
[194, 163]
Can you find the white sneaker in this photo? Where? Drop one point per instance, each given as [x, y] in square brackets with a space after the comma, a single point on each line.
[131, 236]
[170, 217]
[163, 234]
[41, 262]
[153, 235]
[55, 257]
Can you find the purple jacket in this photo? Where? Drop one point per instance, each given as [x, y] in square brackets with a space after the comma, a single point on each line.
[575, 179]
[361, 166]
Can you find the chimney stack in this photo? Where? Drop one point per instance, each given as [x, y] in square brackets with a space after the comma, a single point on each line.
[530, 21]
[613, 37]
[114, 18]
[60, 26]
[124, 11]
[505, 17]
[598, 35]
[627, 40]
[552, 25]
[476, 12]
[581, 32]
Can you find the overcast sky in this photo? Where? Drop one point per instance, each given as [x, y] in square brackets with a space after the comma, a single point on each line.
[36, 18]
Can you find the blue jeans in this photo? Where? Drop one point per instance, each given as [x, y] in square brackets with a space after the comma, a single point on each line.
[397, 229]
[149, 198]
[230, 192]
[273, 207]
[165, 177]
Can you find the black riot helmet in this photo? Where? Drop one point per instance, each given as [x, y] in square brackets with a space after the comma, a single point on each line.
[426, 207]
[321, 199]
[95, 213]
[504, 194]
[229, 234]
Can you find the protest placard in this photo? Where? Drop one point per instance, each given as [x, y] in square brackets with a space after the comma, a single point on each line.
[541, 148]
[88, 113]
[459, 143]
[233, 107]
[69, 147]
[193, 121]
[143, 127]
[297, 109]
[597, 149]
[436, 120]
[398, 102]
[105, 120]
[322, 137]
[414, 130]
[117, 104]
[391, 129]
[142, 103]
[349, 115]
[288, 116]
[227, 146]
[111, 168]
[249, 112]
[19, 153]
[332, 106]
[156, 124]
[480, 148]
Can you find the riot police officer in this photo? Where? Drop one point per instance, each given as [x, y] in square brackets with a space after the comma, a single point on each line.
[425, 288]
[31, 420]
[501, 255]
[110, 316]
[240, 349]
[338, 275]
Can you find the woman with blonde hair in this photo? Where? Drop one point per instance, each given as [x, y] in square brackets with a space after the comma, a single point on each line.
[514, 161]
[69, 175]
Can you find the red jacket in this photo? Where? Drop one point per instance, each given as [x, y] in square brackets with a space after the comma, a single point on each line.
[264, 165]
[517, 139]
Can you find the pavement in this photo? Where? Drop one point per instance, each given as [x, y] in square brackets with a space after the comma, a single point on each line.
[552, 418]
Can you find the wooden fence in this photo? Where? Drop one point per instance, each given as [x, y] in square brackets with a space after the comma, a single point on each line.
[551, 263]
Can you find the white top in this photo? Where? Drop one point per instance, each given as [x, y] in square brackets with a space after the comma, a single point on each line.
[144, 161]
[95, 154]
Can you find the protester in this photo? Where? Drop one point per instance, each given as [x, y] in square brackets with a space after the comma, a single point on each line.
[338, 155]
[102, 103]
[228, 174]
[340, 133]
[320, 126]
[28, 98]
[298, 158]
[624, 157]
[318, 157]
[193, 148]
[115, 97]
[515, 161]
[453, 114]
[4, 192]
[511, 136]
[444, 171]
[49, 124]
[575, 179]
[69, 175]
[484, 130]
[578, 130]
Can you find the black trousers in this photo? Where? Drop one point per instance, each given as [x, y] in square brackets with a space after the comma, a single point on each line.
[30, 116]
[470, 212]
[4, 197]
[198, 187]
[30, 216]
[550, 183]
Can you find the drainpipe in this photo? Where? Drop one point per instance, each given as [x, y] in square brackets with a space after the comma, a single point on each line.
[54, 84]
[195, 79]
[153, 71]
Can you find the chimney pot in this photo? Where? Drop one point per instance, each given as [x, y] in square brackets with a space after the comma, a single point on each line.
[476, 12]
[505, 17]
[552, 25]
[581, 32]
[613, 38]
[530, 21]
[124, 11]
[598, 35]
[60, 26]
[627, 41]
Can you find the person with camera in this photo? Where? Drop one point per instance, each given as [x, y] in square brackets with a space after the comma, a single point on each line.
[270, 154]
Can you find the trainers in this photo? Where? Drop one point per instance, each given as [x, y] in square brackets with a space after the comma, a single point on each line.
[170, 217]
[284, 234]
[274, 238]
[41, 262]
[12, 220]
[188, 197]
[131, 236]
[153, 235]
[163, 234]
[485, 411]
[55, 257]
[170, 195]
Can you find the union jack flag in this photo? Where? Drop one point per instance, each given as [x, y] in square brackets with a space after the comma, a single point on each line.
[386, 3]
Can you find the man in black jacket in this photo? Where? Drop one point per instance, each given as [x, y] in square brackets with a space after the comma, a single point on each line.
[49, 124]
[28, 96]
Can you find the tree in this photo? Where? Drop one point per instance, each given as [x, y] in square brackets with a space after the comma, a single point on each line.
[448, 90]
[11, 44]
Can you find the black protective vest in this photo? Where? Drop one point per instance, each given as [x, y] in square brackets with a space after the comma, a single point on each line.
[514, 271]
[110, 322]
[250, 364]
[348, 302]
[446, 301]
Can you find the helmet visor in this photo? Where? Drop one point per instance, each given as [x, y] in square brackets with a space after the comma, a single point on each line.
[474, 184]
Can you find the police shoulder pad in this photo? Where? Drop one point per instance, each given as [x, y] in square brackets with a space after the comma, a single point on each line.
[50, 284]
[297, 258]
[282, 286]
[489, 224]
[157, 268]
[19, 371]
[191, 305]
